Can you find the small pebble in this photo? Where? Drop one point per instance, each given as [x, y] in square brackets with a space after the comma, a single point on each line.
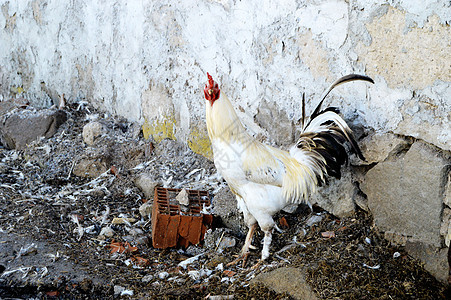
[147, 278]
[163, 275]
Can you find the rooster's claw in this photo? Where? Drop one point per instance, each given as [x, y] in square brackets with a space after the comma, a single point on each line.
[242, 257]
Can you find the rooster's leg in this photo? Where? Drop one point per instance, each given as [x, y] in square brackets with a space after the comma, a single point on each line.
[266, 243]
[245, 250]
[265, 252]
[248, 240]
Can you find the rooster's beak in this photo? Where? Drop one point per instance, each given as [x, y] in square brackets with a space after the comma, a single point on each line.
[210, 91]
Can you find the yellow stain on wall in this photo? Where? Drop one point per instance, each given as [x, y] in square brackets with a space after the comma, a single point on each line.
[199, 142]
[17, 90]
[415, 58]
[160, 129]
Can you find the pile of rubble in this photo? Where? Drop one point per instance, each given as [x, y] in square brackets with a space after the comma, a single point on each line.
[76, 221]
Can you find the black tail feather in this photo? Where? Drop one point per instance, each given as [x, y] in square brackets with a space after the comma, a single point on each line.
[344, 79]
[327, 141]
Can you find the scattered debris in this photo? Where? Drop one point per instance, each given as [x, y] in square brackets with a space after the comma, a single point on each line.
[163, 275]
[26, 250]
[120, 247]
[328, 234]
[283, 223]
[128, 221]
[313, 220]
[219, 297]
[188, 261]
[376, 267]
[71, 196]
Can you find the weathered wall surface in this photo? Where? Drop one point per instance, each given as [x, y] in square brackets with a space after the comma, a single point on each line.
[147, 61]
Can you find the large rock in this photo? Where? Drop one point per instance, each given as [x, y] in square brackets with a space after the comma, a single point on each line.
[434, 260]
[146, 183]
[338, 197]
[21, 127]
[91, 132]
[405, 193]
[287, 280]
[225, 206]
[447, 199]
[90, 167]
[377, 147]
[406, 196]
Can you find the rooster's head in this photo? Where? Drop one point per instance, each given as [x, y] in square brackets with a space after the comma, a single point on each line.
[211, 90]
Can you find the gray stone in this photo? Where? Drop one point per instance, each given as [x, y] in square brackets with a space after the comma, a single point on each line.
[338, 196]
[377, 147]
[405, 193]
[225, 206]
[447, 199]
[435, 260]
[19, 128]
[287, 280]
[146, 183]
[90, 167]
[145, 210]
[91, 131]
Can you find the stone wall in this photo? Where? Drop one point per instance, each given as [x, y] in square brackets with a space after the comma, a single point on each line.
[147, 61]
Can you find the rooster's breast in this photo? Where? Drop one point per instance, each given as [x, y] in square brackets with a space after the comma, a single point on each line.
[228, 161]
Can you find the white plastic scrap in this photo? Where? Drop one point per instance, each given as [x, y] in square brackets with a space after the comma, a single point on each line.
[225, 242]
[314, 219]
[106, 232]
[127, 293]
[163, 275]
[54, 257]
[79, 228]
[396, 254]
[147, 278]
[26, 250]
[373, 268]
[44, 272]
[194, 274]
[190, 260]
[24, 270]
[368, 241]
[91, 229]
[207, 210]
[192, 172]
[105, 215]
[220, 267]
[219, 297]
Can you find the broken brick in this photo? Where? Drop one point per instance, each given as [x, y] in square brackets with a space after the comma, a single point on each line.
[172, 227]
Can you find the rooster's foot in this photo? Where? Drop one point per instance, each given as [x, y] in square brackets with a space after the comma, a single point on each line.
[257, 265]
[242, 257]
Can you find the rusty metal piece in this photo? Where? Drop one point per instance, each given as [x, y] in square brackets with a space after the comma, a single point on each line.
[172, 227]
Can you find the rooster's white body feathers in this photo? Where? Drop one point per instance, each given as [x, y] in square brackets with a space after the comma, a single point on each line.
[265, 179]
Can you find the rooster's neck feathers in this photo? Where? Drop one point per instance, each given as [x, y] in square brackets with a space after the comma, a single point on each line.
[223, 122]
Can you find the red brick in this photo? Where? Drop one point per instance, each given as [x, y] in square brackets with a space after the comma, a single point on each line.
[173, 228]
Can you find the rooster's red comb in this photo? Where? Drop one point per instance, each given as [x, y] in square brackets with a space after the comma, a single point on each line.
[210, 80]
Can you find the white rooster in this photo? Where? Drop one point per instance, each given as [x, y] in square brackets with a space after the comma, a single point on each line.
[265, 179]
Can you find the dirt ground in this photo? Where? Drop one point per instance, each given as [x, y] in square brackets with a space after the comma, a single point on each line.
[58, 240]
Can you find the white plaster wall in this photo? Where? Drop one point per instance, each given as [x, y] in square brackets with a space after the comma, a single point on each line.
[116, 53]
